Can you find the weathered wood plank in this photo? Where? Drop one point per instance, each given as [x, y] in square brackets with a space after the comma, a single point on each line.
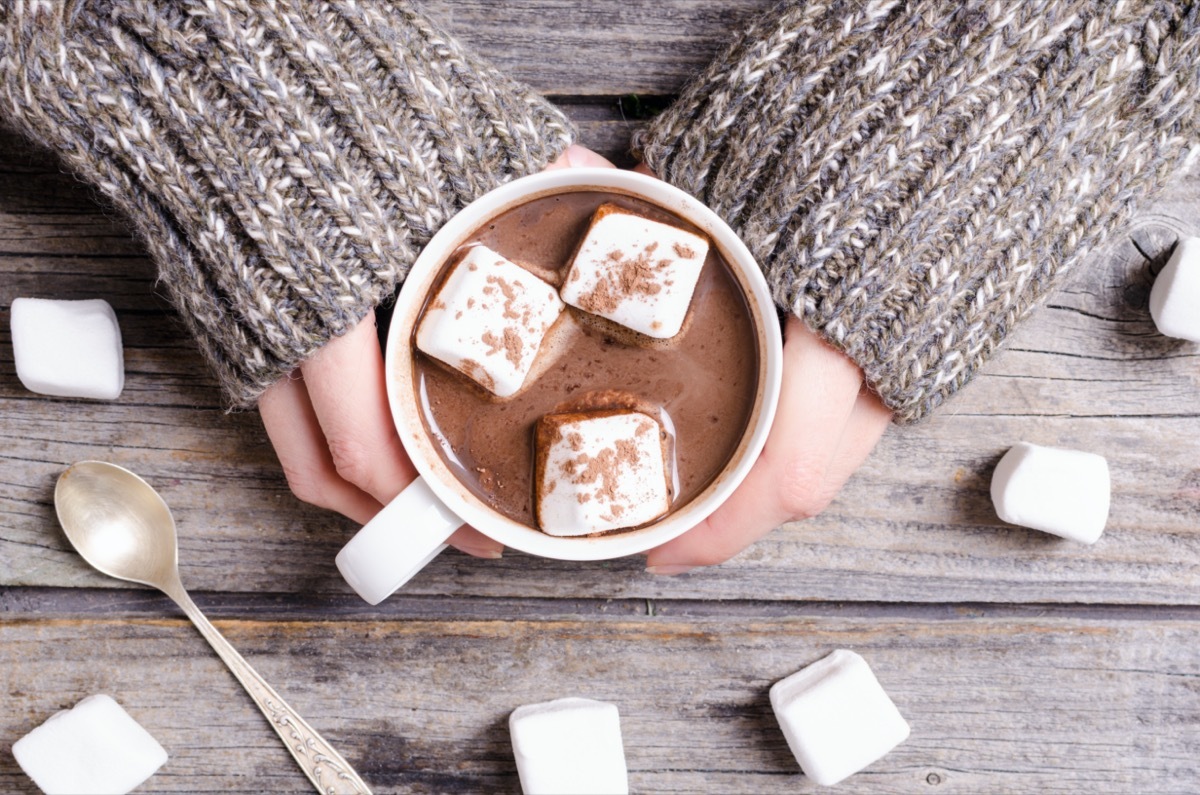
[921, 530]
[601, 48]
[995, 705]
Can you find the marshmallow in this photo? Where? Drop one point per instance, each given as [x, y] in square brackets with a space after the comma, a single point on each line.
[836, 717]
[488, 320]
[1175, 297]
[599, 471]
[95, 748]
[68, 348]
[571, 746]
[1064, 492]
[636, 272]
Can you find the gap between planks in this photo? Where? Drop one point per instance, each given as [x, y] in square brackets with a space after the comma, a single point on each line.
[40, 603]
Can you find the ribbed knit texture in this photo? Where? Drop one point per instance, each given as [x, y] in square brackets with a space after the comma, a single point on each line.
[284, 160]
[915, 176]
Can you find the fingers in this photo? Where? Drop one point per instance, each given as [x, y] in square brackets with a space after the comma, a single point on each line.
[823, 429]
[292, 426]
[576, 156]
[866, 426]
[332, 430]
[345, 383]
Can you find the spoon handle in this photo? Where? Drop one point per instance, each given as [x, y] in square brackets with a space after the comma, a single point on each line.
[325, 767]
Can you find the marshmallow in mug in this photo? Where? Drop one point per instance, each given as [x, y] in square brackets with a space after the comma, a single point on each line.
[599, 471]
[636, 272]
[488, 320]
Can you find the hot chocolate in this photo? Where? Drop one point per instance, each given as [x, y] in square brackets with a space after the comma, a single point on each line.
[700, 384]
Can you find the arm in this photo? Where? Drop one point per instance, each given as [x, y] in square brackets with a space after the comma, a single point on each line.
[914, 178]
[284, 164]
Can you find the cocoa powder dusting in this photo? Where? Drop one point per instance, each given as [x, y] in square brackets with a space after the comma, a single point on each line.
[628, 277]
[489, 339]
[684, 250]
[585, 469]
[513, 346]
[510, 296]
[627, 453]
[604, 466]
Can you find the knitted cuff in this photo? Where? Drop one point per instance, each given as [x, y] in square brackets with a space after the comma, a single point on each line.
[284, 162]
[914, 176]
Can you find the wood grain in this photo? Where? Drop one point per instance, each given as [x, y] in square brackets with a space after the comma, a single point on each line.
[598, 49]
[995, 705]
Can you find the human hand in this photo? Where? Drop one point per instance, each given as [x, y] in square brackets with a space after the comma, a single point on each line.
[826, 425]
[332, 430]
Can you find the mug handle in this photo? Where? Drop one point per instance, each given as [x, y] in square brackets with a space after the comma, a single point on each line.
[409, 532]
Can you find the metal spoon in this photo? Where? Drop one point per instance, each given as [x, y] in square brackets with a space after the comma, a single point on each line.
[120, 525]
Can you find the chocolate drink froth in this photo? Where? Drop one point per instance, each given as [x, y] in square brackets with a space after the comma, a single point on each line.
[701, 384]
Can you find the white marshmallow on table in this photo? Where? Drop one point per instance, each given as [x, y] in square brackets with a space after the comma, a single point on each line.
[571, 746]
[636, 272]
[1175, 296]
[488, 320]
[1064, 492]
[95, 748]
[598, 471]
[836, 717]
[68, 348]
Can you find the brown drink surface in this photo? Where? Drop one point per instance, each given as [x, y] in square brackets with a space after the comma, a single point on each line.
[701, 384]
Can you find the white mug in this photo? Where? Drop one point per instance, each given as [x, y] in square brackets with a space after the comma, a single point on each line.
[414, 527]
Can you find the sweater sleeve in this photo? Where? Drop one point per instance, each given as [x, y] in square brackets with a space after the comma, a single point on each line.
[914, 177]
[284, 162]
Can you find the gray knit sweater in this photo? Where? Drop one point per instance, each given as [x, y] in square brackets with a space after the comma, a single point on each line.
[912, 176]
[915, 176]
[284, 161]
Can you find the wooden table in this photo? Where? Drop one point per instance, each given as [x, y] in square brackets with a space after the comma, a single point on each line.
[1023, 663]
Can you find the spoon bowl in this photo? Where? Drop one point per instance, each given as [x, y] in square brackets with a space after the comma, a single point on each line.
[117, 522]
[121, 526]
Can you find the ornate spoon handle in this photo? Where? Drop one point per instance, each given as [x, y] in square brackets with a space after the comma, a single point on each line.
[325, 767]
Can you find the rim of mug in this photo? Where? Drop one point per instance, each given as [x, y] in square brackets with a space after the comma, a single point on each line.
[404, 399]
